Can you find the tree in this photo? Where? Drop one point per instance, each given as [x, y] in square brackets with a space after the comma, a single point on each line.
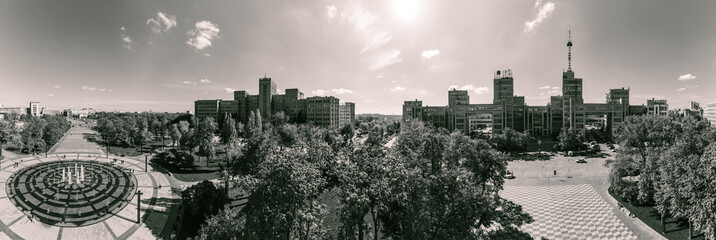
[228, 130]
[511, 141]
[32, 134]
[570, 140]
[6, 131]
[205, 138]
[347, 132]
[227, 224]
[284, 204]
[175, 134]
[201, 201]
[705, 217]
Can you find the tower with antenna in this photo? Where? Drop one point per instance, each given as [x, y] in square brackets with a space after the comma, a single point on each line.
[569, 52]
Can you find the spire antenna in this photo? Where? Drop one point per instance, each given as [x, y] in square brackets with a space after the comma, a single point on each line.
[569, 51]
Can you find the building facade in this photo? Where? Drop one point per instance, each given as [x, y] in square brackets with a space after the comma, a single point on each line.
[510, 111]
[657, 107]
[322, 111]
[710, 112]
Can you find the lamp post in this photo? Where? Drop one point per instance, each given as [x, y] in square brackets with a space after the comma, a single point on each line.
[139, 207]
[145, 161]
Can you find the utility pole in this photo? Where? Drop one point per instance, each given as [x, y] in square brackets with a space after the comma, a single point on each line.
[145, 162]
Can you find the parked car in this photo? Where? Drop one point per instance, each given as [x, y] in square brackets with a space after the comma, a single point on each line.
[582, 160]
[509, 175]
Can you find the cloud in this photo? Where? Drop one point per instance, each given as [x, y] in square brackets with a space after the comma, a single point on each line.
[188, 82]
[481, 90]
[56, 86]
[93, 89]
[205, 81]
[686, 77]
[544, 87]
[50, 95]
[430, 53]
[207, 54]
[543, 13]
[397, 89]
[680, 89]
[320, 92]
[466, 87]
[202, 35]
[421, 91]
[331, 11]
[385, 59]
[537, 3]
[162, 23]
[229, 90]
[376, 41]
[340, 91]
[127, 42]
[691, 86]
[336, 91]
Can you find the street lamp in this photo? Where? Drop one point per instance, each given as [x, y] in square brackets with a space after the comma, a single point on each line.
[139, 207]
[145, 161]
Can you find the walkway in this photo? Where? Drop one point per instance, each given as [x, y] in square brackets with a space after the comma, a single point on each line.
[158, 209]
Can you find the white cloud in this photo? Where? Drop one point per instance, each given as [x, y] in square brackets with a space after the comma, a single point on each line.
[162, 23]
[537, 3]
[336, 91]
[543, 13]
[127, 42]
[397, 89]
[229, 90]
[466, 87]
[376, 41]
[691, 86]
[207, 54]
[680, 89]
[331, 11]
[430, 53]
[385, 59]
[544, 87]
[320, 92]
[50, 95]
[189, 82]
[205, 81]
[202, 34]
[56, 86]
[686, 77]
[481, 90]
[340, 91]
[93, 89]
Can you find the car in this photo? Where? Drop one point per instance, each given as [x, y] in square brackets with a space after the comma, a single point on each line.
[582, 160]
[509, 175]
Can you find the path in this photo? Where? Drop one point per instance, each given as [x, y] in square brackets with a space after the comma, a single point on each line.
[158, 209]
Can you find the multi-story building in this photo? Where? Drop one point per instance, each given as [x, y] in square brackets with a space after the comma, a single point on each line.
[510, 111]
[267, 89]
[35, 109]
[346, 114]
[323, 111]
[657, 107]
[710, 113]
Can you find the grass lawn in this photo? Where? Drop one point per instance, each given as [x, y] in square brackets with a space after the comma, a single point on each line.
[196, 176]
[674, 229]
[546, 145]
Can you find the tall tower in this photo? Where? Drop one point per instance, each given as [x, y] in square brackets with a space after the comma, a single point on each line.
[569, 52]
[267, 88]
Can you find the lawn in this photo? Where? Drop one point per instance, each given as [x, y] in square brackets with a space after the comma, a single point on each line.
[674, 229]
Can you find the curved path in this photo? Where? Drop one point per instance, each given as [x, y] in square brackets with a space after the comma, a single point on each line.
[158, 210]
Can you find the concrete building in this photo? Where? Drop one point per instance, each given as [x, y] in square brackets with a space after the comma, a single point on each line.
[710, 113]
[346, 114]
[267, 89]
[35, 109]
[657, 107]
[510, 111]
[323, 111]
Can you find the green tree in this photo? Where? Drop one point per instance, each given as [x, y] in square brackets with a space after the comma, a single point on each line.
[228, 224]
[228, 130]
[570, 140]
[175, 134]
[32, 134]
[511, 141]
[201, 201]
[6, 132]
[284, 204]
[205, 138]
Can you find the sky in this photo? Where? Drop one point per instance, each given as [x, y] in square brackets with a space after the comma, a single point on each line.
[162, 55]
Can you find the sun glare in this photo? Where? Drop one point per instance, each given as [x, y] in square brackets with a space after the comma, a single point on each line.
[406, 10]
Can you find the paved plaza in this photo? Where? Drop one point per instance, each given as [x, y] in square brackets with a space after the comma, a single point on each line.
[572, 203]
[35, 204]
